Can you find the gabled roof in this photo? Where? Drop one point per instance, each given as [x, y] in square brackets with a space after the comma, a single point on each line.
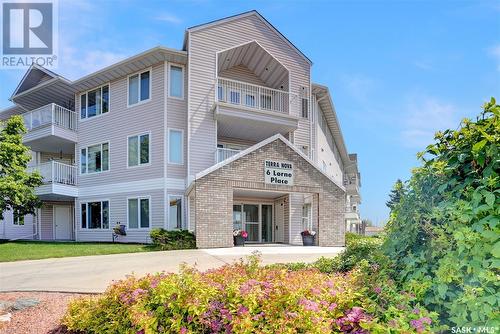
[239, 16]
[34, 76]
[256, 147]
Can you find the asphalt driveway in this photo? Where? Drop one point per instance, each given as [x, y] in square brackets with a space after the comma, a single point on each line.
[95, 273]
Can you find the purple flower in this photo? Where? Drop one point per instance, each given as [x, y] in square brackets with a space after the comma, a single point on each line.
[419, 324]
[183, 330]
[309, 305]
[377, 290]
[242, 310]
[416, 311]
[332, 307]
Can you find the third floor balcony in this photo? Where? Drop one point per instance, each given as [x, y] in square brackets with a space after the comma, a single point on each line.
[253, 112]
[51, 128]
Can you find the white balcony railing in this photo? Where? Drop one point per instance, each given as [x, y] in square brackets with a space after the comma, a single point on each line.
[56, 172]
[50, 114]
[253, 96]
[225, 153]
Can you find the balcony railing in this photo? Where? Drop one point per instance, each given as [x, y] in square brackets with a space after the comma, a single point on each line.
[225, 153]
[253, 96]
[50, 114]
[56, 172]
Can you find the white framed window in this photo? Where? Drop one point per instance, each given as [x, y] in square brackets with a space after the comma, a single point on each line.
[175, 211]
[175, 146]
[250, 100]
[17, 219]
[139, 87]
[234, 96]
[94, 159]
[306, 216]
[176, 82]
[138, 212]
[94, 102]
[139, 148]
[94, 215]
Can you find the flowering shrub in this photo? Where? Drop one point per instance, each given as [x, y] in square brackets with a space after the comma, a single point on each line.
[246, 298]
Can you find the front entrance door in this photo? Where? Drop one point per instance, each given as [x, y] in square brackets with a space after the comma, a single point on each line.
[251, 222]
[279, 223]
[62, 222]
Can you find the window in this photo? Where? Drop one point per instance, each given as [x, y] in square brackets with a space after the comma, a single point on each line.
[220, 93]
[138, 150]
[95, 215]
[234, 97]
[323, 166]
[250, 100]
[139, 86]
[94, 102]
[18, 219]
[176, 82]
[94, 159]
[138, 212]
[265, 101]
[175, 146]
[175, 212]
[306, 216]
[305, 108]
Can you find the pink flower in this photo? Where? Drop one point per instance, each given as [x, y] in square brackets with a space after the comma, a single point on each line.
[183, 330]
[377, 290]
[309, 305]
[315, 291]
[242, 310]
[332, 307]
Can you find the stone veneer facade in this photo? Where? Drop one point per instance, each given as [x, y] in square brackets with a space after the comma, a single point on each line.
[211, 196]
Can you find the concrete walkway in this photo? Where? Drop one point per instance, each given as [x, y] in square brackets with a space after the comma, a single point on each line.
[95, 273]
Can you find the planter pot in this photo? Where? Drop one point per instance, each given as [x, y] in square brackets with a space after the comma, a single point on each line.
[239, 241]
[308, 240]
[120, 230]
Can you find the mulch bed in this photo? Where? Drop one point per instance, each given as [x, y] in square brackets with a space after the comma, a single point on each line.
[42, 318]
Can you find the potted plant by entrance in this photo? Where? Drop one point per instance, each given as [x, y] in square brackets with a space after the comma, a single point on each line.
[239, 237]
[308, 237]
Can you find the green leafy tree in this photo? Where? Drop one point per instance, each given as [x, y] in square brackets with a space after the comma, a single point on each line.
[395, 195]
[443, 236]
[17, 186]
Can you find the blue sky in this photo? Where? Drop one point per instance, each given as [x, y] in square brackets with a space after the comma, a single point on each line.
[398, 70]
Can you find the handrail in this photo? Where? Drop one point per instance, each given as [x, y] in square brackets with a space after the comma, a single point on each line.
[253, 96]
[225, 153]
[50, 114]
[56, 172]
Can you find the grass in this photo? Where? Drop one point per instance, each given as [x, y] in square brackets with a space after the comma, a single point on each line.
[34, 250]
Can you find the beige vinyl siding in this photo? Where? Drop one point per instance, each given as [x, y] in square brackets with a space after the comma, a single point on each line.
[177, 119]
[10, 231]
[49, 156]
[242, 73]
[328, 152]
[203, 45]
[118, 213]
[296, 203]
[47, 222]
[236, 141]
[119, 123]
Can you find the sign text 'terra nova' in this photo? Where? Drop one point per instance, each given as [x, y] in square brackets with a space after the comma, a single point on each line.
[278, 172]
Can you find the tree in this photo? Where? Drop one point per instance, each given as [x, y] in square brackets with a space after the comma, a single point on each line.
[395, 195]
[17, 186]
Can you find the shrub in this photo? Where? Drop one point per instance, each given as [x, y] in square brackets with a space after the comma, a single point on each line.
[443, 233]
[174, 239]
[246, 298]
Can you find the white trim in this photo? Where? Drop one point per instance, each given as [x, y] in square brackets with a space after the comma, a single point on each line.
[182, 146]
[165, 134]
[139, 198]
[188, 109]
[183, 68]
[79, 99]
[87, 163]
[87, 211]
[138, 73]
[139, 164]
[256, 147]
[132, 186]
[182, 211]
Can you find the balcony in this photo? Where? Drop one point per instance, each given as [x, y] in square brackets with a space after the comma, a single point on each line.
[351, 184]
[254, 112]
[51, 128]
[225, 153]
[59, 180]
[351, 213]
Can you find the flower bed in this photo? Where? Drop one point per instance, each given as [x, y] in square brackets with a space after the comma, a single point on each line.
[246, 298]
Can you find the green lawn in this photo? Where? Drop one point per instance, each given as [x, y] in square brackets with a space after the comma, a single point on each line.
[33, 250]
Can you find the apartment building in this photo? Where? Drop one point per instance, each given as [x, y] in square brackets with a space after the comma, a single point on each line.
[227, 133]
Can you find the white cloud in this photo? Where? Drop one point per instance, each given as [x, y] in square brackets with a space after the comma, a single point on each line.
[494, 52]
[74, 63]
[168, 17]
[423, 117]
[423, 65]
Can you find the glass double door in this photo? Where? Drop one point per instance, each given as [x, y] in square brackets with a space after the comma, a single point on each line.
[255, 219]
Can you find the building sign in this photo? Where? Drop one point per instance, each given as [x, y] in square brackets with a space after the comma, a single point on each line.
[278, 172]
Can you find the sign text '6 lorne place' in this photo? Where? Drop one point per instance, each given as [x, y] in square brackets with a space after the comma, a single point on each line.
[278, 172]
